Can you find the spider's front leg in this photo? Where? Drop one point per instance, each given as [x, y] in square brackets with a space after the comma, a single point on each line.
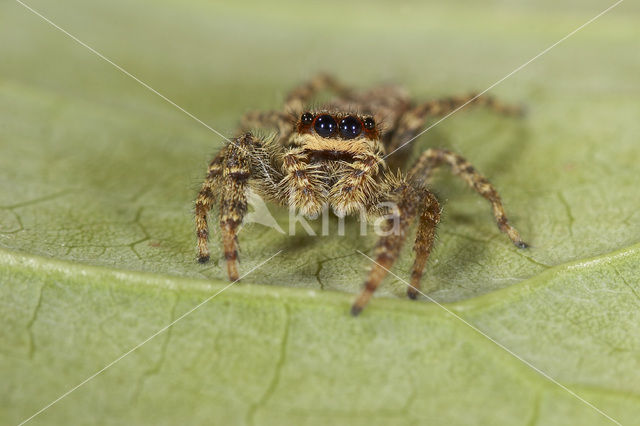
[432, 158]
[236, 172]
[410, 201]
[209, 192]
[231, 170]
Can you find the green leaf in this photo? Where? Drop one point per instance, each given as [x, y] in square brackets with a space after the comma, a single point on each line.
[98, 176]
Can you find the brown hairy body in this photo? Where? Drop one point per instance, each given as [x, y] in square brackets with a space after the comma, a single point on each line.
[335, 157]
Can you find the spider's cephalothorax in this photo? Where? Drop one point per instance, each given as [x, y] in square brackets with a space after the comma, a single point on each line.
[335, 157]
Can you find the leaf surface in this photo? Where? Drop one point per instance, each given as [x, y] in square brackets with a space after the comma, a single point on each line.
[98, 176]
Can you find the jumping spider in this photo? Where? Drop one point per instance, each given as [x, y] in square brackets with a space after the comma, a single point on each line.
[335, 156]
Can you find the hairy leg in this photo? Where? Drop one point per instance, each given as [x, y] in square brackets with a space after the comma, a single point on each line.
[206, 198]
[425, 236]
[300, 97]
[432, 158]
[388, 247]
[413, 121]
[236, 172]
[281, 121]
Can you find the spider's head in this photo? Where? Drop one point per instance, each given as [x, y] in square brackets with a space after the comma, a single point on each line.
[337, 132]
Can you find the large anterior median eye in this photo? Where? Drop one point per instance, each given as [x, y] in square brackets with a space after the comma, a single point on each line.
[325, 126]
[350, 127]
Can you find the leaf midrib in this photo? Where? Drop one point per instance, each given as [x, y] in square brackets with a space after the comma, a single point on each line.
[249, 289]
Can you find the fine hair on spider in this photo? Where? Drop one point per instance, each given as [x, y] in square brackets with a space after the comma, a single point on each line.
[335, 155]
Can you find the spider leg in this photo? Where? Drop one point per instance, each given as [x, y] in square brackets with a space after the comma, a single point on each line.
[412, 122]
[432, 158]
[268, 120]
[443, 106]
[236, 172]
[300, 97]
[226, 183]
[206, 198]
[388, 247]
[425, 236]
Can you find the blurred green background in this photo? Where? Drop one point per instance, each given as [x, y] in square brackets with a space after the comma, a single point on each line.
[98, 176]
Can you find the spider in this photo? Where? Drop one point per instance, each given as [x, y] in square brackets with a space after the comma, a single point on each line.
[336, 156]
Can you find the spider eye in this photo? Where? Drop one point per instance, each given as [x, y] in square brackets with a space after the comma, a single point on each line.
[369, 124]
[325, 125]
[306, 118]
[350, 127]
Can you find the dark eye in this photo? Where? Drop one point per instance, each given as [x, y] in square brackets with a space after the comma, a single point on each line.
[325, 125]
[350, 127]
[306, 118]
[369, 124]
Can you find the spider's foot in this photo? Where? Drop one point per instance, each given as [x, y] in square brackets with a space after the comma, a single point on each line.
[521, 111]
[232, 271]
[521, 244]
[203, 259]
[355, 310]
[412, 292]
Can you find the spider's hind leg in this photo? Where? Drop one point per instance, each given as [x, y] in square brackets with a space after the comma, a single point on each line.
[443, 106]
[432, 158]
[413, 121]
[300, 97]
